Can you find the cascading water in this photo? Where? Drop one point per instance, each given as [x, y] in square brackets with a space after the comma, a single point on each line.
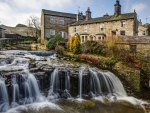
[15, 96]
[95, 83]
[67, 85]
[54, 85]
[30, 88]
[81, 70]
[4, 102]
[65, 82]
[106, 83]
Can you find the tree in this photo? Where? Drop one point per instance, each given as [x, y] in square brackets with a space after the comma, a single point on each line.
[70, 44]
[34, 22]
[53, 41]
[76, 45]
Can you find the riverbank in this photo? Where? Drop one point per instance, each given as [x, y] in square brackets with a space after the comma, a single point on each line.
[129, 75]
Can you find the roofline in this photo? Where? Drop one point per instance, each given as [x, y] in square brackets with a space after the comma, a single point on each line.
[88, 22]
[57, 12]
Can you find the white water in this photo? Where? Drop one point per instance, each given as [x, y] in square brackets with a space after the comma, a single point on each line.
[81, 70]
[16, 93]
[4, 102]
[26, 92]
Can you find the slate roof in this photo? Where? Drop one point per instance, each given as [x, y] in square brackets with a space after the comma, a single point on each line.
[56, 13]
[106, 19]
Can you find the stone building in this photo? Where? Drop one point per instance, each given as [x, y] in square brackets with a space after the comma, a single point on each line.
[2, 33]
[142, 29]
[106, 27]
[53, 22]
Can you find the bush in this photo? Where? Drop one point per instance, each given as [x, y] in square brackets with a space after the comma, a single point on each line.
[53, 41]
[70, 44]
[76, 45]
[92, 47]
[60, 50]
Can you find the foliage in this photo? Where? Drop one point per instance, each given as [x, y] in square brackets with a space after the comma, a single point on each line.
[87, 105]
[89, 59]
[92, 47]
[60, 50]
[76, 45]
[39, 40]
[70, 44]
[53, 41]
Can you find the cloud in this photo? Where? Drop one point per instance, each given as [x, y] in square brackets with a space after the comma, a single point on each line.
[139, 7]
[13, 12]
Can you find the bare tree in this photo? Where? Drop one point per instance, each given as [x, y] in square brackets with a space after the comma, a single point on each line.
[34, 22]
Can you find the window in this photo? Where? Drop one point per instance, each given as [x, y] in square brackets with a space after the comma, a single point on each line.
[82, 39]
[99, 38]
[144, 33]
[75, 29]
[101, 27]
[85, 28]
[61, 21]
[123, 24]
[52, 20]
[52, 32]
[122, 33]
[86, 38]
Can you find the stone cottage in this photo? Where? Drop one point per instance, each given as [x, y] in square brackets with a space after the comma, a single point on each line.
[53, 22]
[2, 32]
[106, 27]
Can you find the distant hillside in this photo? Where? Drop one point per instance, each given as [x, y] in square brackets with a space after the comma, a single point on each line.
[20, 25]
[20, 29]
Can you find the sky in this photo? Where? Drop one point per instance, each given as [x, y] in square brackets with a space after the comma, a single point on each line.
[14, 12]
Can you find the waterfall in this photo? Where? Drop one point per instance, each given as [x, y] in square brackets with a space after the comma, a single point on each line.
[81, 70]
[66, 81]
[54, 85]
[106, 83]
[30, 88]
[116, 85]
[4, 102]
[95, 83]
[15, 94]
[67, 85]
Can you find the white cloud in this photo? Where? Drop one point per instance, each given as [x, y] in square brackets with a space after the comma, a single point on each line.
[13, 12]
[139, 7]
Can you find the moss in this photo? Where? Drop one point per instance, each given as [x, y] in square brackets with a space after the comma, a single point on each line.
[89, 104]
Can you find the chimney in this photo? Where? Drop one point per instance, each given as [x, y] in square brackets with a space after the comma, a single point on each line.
[88, 14]
[79, 16]
[117, 8]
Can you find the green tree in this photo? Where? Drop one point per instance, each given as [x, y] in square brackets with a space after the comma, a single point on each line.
[53, 41]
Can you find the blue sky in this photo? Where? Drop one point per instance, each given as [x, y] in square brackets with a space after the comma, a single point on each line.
[13, 12]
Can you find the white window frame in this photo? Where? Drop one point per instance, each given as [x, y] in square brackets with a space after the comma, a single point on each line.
[85, 28]
[52, 20]
[61, 21]
[52, 32]
[101, 26]
[123, 23]
[75, 29]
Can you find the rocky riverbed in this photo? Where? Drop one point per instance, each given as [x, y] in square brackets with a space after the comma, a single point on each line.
[39, 82]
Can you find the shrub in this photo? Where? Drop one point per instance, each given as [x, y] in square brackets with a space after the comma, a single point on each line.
[76, 45]
[70, 44]
[53, 41]
[60, 50]
[92, 47]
